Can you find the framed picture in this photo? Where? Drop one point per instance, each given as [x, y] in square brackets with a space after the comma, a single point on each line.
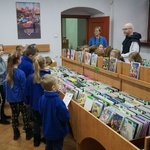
[28, 20]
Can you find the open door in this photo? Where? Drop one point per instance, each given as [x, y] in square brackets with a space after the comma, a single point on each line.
[103, 22]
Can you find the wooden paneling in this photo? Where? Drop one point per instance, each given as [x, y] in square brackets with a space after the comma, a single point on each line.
[41, 48]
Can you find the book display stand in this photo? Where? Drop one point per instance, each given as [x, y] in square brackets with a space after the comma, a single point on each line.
[91, 133]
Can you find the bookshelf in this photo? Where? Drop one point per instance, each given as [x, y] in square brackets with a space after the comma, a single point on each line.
[89, 132]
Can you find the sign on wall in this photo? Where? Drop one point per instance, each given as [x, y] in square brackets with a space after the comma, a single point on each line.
[28, 20]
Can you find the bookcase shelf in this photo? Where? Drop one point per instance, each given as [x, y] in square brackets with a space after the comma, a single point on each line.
[91, 133]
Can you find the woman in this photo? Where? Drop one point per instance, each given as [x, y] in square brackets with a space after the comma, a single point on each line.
[97, 39]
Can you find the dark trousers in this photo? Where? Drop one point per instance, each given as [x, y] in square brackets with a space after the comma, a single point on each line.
[2, 102]
[16, 108]
[37, 124]
[54, 145]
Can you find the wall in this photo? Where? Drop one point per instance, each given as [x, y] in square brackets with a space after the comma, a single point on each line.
[121, 11]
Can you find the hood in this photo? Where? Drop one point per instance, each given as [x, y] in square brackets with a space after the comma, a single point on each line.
[136, 36]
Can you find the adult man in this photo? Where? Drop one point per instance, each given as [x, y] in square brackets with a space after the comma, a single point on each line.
[131, 42]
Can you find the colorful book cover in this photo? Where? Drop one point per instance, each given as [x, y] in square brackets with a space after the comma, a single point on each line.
[106, 115]
[134, 70]
[87, 58]
[105, 63]
[116, 121]
[94, 60]
[72, 54]
[112, 64]
[80, 56]
[97, 108]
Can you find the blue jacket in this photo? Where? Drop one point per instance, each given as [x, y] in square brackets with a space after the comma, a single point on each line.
[15, 93]
[54, 116]
[96, 41]
[34, 91]
[26, 65]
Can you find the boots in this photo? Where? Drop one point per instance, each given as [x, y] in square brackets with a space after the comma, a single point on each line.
[16, 134]
[37, 140]
[29, 134]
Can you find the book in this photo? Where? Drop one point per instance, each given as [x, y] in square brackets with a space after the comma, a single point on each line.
[87, 58]
[134, 70]
[97, 108]
[94, 60]
[80, 56]
[88, 103]
[105, 63]
[67, 98]
[112, 64]
[72, 54]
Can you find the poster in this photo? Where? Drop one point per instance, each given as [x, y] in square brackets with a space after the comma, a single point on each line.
[28, 20]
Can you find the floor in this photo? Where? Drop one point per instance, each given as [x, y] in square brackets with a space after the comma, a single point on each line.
[7, 142]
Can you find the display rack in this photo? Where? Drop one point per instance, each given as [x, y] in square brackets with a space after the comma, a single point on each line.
[89, 132]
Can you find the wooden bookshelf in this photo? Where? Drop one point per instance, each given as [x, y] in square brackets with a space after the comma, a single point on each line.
[89, 132]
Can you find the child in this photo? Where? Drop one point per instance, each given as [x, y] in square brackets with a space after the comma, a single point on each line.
[33, 92]
[3, 117]
[54, 114]
[26, 64]
[115, 53]
[14, 88]
[48, 62]
[107, 51]
[21, 49]
[101, 47]
[85, 48]
[136, 57]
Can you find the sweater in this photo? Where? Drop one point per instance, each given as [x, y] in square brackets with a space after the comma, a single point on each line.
[26, 66]
[15, 93]
[34, 91]
[97, 41]
[54, 116]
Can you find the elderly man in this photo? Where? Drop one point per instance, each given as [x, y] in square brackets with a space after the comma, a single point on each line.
[131, 42]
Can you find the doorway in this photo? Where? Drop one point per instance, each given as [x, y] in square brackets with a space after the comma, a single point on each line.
[77, 29]
[74, 30]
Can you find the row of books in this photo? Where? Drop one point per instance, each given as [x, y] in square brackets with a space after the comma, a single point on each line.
[118, 109]
[108, 63]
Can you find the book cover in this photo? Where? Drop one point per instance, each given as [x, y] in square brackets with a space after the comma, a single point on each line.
[105, 63]
[116, 121]
[112, 64]
[94, 60]
[80, 56]
[106, 115]
[134, 70]
[72, 54]
[87, 58]
[97, 108]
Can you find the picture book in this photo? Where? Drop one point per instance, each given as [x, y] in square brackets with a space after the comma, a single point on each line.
[67, 98]
[97, 108]
[128, 129]
[87, 58]
[112, 64]
[134, 70]
[88, 103]
[94, 60]
[68, 53]
[106, 115]
[116, 121]
[80, 56]
[72, 54]
[105, 63]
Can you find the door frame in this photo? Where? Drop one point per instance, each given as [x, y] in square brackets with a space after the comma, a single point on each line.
[78, 17]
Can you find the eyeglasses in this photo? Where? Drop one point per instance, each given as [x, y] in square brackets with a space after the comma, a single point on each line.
[125, 29]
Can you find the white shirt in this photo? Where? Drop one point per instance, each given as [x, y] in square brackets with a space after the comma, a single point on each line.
[133, 48]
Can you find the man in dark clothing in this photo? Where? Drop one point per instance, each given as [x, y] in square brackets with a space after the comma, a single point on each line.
[131, 42]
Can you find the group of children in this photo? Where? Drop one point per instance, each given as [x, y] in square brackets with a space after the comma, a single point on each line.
[27, 82]
[110, 52]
